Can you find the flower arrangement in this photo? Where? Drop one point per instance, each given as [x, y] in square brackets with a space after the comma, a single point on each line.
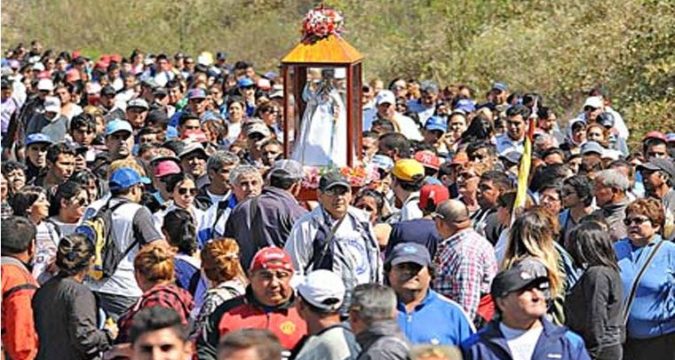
[358, 176]
[321, 22]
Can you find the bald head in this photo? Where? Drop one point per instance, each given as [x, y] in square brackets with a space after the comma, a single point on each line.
[452, 211]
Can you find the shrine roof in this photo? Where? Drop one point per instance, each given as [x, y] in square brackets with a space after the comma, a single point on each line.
[330, 50]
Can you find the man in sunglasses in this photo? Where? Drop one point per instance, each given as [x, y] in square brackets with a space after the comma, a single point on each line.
[610, 195]
[658, 176]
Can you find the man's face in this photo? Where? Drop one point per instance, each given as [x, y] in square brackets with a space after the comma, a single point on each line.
[194, 164]
[467, 181]
[515, 127]
[592, 113]
[603, 194]
[457, 125]
[547, 123]
[222, 175]
[336, 200]
[270, 154]
[136, 116]
[409, 276]
[429, 99]
[174, 95]
[659, 151]
[271, 287]
[652, 180]
[525, 304]
[198, 105]
[63, 167]
[107, 101]
[570, 197]
[6, 94]
[369, 146]
[147, 139]
[550, 199]
[37, 154]
[386, 110]
[119, 144]
[84, 135]
[129, 82]
[487, 194]
[191, 124]
[163, 344]
[483, 156]
[249, 185]
[16, 179]
[164, 65]
[432, 136]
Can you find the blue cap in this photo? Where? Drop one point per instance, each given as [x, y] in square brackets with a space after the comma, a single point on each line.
[117, 125]
[124, 178]
[196, 93]
[271, 75]
[171, 133]
[499, 86]
[245, 82]
[436, 123]
[38, 138]
[409, 252]
[465, 105]
[591, 147]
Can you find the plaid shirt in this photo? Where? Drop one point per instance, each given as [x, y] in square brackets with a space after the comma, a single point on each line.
[465, 265]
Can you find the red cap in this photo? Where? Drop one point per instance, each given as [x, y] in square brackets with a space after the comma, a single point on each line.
[428, 159]
[460, 158]
[73, 75]
[166, 167]
[272, 258]
[655, 135]
[101, 65]
[116, 58]
[432, 194]
[196, 135]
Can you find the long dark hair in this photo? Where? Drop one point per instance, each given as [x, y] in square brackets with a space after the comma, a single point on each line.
[592, 246]
[181, 231]
[74, 254]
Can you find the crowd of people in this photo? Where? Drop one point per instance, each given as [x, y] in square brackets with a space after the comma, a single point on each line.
[149, 212]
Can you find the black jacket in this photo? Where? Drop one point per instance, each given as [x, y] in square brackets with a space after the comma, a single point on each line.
[593, 309]
[383, 340]
[65, 314]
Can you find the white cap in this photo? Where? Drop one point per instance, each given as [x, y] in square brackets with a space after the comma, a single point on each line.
[38, 66]
[385, 96]
[45, 85]
[52, 104]
[322, 289]
[594, 101]
[340, 73]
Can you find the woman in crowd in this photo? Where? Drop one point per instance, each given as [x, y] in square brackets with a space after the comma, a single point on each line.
[270, 113]
[65, 311]
[15, 173]
[650, 327]
[220, 262]
[236, 110]
[576, 135]
[65, 92]
[593, 308]
[155, 274]
[68, 205]
[372, 202]
[533, 235]
[183, 190]
[577, 199]
[31, 202]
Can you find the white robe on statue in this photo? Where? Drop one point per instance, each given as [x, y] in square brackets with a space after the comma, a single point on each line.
[323, 130]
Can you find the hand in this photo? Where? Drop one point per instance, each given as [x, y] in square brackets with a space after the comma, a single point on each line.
[111, 326]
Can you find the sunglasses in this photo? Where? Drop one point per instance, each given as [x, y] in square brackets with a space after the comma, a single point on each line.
[183, 191]
[80, 201]
[589, 108]
[634, 220]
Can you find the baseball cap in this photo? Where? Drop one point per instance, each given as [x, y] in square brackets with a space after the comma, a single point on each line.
[288, 168]
[38, 138]
[322, 289]
[408, 170]
[499, 86]
[466, 105]
[606, 119]
[38, 66]
[385, 97]
[108, 90]
[333, 179]
[428, 159]
[670, 137]
[594, 102]
[138, 103]
[160, 91]
[116, 126]
[272, 258]
[245, 82]
[166, 167]
[429, 87]
[655, 164]
[382, 162]
[431, 195]
[257, 127]
[655, 135]
[591, 147]
[460, 158]
[512, 157]
[522, 274]
[191, 148]
[409, 252]
[124, 178]
[196, 93]
[52, 104]
[45, 85]
[196, 135]
[436, 123]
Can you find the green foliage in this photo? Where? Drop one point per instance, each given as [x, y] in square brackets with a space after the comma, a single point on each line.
[560, 48]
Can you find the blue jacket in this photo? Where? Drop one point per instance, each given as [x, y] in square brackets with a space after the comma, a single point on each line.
[437, 320]
[555, 342]
[653, 311]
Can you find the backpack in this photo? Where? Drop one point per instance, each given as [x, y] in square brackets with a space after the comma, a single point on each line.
[107, 255]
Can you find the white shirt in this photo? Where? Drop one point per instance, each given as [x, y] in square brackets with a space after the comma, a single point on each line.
[407, 127]
[505, 144]
[521, 342]
[411, 208]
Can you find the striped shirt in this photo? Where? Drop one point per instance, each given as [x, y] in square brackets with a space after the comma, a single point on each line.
[465, 265]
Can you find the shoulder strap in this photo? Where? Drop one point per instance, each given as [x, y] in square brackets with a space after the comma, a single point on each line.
[15, 289]
[325, 247]
[634, 285]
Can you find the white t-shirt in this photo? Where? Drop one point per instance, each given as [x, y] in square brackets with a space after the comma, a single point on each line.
[521, 342]
[215, 199]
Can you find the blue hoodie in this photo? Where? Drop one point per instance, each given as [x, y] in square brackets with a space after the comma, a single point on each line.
[555, 342]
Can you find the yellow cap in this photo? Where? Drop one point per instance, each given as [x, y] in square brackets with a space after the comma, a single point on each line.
[408, 170]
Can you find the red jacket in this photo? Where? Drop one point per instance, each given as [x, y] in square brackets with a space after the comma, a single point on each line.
[246, 312]
[19, 338]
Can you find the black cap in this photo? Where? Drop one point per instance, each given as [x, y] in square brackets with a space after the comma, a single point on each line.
[108, 90]
[333, 179]
[524, 273]
[656, 164]
[409, 252]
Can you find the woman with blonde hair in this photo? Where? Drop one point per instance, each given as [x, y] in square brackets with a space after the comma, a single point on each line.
[533, 235]
[154, 270]
[220, 264]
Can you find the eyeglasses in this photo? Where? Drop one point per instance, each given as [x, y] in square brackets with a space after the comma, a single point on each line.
[184, 191]
[635, 220]
[336, 191]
